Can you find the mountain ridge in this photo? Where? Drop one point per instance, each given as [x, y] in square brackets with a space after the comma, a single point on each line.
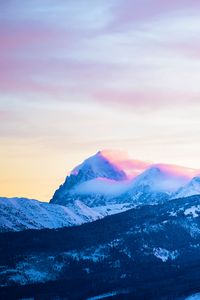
[95, 188]
[136, 251]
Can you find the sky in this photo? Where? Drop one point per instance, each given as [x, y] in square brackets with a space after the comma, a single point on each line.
[80, 76]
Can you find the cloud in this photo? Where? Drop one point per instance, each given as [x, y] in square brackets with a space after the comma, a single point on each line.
[140, 12]
[131, 167]
[54, 49]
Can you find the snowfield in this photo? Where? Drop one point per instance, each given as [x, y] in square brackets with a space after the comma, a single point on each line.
[21, 213]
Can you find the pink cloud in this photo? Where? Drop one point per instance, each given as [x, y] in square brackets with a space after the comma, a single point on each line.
[145, 99]
[187, 173]
[134, 167]
[131, 167]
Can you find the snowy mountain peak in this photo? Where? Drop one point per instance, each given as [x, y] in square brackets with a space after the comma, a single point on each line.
[150, 174]
[99, 180]
[161, 178]
[94, 167]
[190, 189]
[99, 166]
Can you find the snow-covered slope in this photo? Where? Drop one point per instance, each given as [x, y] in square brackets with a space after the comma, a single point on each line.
[160, 178]
[21, 213]
[190, 189]
[156, 184]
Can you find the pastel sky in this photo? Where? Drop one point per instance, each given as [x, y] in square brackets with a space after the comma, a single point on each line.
[79, 76]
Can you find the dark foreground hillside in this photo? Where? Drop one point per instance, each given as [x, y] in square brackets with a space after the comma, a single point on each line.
[152, 252]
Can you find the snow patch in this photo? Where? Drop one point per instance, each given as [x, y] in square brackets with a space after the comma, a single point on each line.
[111, 294]
[165, 254]
[193, 211]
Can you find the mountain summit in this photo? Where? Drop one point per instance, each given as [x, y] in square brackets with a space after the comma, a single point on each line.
[190, 189]
[97, 167]
[161, 177]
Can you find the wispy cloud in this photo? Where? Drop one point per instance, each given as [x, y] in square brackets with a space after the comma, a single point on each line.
[131, 51]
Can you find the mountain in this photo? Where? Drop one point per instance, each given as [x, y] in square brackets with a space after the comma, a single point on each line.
[94, 189]
[161, 178]
[98, 182]
[149, 252]
[97, 170]
[18, 214]
[98, 166]
[117, 237]
[21, 214]
[156, 184]
[190, 189]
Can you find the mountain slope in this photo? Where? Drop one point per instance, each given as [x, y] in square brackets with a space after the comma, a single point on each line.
[21, 213]
[155, 185]
[150, 252]
[190, 189]
[161, 178]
